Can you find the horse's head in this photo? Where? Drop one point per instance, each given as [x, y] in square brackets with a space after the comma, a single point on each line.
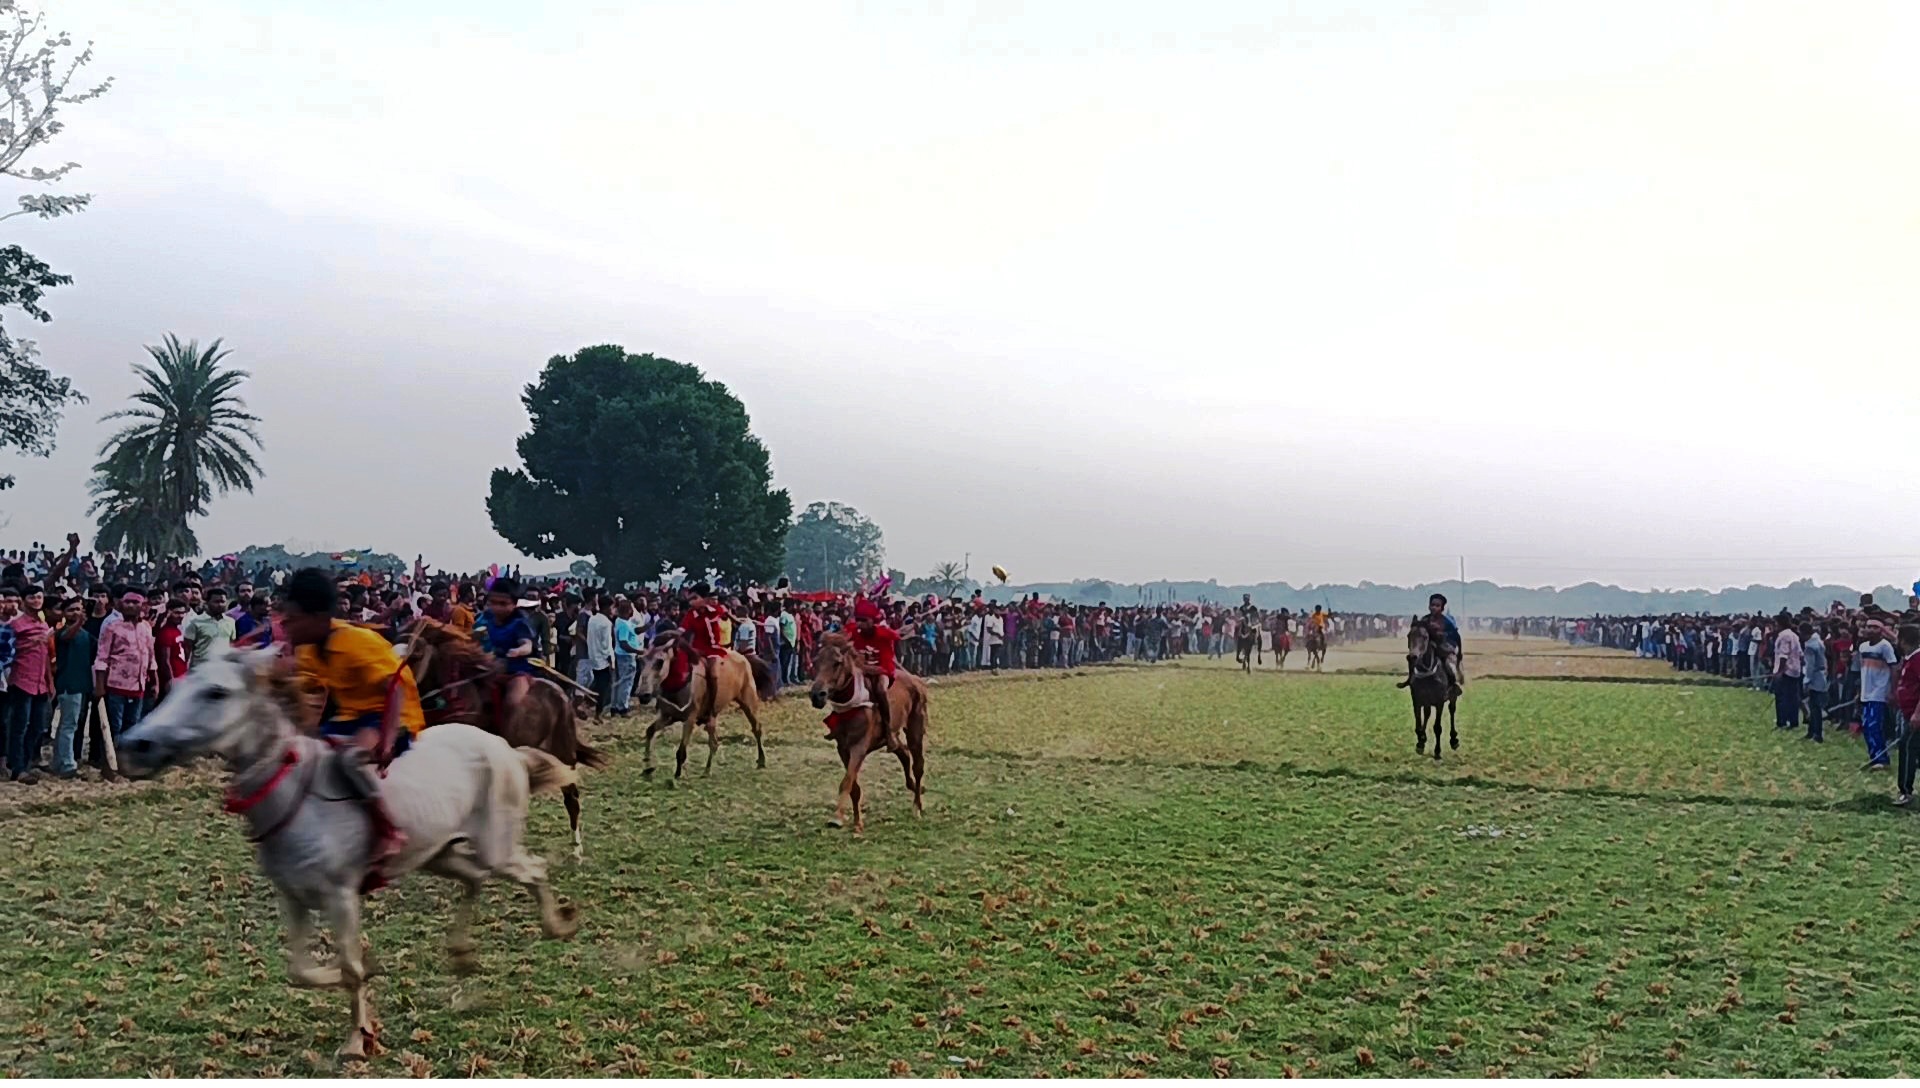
[834, 666]
[1417, 639]
[655, 665]
[233, 705]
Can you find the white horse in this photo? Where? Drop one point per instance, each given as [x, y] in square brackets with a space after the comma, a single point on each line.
[459, 795]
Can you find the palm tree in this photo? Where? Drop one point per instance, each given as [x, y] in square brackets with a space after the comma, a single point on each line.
[188, 439]
[949, 576]
[133, 524]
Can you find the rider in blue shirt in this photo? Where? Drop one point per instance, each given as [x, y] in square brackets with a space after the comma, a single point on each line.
[1437, 618]
[510, 637]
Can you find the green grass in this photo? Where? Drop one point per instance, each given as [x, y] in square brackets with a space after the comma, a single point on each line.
[1164, 871]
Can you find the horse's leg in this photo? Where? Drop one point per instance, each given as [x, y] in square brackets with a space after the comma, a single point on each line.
[530, 872]
[917, 741]
[713, 745]
[343, 914]
[680, 757]
[1419, 728]
[455, 863]
[850, 785]
[646, 766]
[1453, 725]
[1436, 709]
[570, 794]
[753, 721]
[301, 967]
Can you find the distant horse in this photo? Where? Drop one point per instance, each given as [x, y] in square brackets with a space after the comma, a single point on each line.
[1427, 682]
[839, 681]
[693, 692]
[1246, 639]
[459, 795]
[459, 681]
[1282, 646]
[1316, 648]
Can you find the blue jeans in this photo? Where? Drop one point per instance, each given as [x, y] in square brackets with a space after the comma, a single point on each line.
[123, 713]
[623, 670]
[26, 717]
[1872, 717]
[1816, 714]
[72, 708]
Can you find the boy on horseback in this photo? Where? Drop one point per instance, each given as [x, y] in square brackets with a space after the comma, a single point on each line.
[878, 646]
[1441, 627]
[510, 637]
[700, 627]
[374, 705]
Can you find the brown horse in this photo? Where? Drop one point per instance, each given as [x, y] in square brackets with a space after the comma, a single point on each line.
[1427, 682]
[839, 680]
[693, 692]
[459, 681]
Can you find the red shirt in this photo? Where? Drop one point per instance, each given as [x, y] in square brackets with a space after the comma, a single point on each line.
[702, 625]
[1906, 692]
[880, 646]
[171, 651]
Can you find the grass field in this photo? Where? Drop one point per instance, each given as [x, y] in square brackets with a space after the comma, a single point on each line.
[1166, 871]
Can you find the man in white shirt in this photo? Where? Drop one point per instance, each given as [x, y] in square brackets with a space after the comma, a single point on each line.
[600, 653]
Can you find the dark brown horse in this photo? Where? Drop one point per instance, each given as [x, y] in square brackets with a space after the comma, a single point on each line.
[1431, 688]
[1246, 644]
[1316, 648]
[839, 681]
[693, 693]
[459, 681]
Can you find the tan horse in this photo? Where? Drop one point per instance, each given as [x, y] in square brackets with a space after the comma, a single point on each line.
[458, 681]
[839, 680]
[693, 691]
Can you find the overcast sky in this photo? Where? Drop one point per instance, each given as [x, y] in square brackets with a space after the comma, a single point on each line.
[1131, 291]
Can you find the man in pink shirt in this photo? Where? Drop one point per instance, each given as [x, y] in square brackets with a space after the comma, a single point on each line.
[29, 700]
[123, 668]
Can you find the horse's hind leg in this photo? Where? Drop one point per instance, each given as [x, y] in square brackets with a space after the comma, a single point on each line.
[343, 914]
[1437, 708]
[713, 746]
[759, 745]
[1453, 726]
[571, 796]
[457, 863]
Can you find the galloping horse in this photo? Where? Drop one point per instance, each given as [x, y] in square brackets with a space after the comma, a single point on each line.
[459, 795]
[459, 682]
[693, 694]
[1246, 639]
[1282, 646]
[1431, 690]
[1316, 647]
[839, 681]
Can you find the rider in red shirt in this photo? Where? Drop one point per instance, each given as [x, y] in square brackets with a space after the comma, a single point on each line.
[879, 644]
[701, 625]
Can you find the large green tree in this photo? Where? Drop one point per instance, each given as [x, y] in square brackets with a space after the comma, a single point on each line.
[832, 546]
[36, 81]
[188, 437]
[644, 464]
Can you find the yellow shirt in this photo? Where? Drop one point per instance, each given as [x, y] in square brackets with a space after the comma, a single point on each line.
[726, 631]
[357, 669]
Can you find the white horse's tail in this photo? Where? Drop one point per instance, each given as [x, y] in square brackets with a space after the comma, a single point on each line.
[546, 774]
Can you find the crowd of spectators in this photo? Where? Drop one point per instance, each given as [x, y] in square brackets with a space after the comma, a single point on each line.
[1856, 666]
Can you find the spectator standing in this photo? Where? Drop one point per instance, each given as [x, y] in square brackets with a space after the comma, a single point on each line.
[124, 666]
[626, 648]
[1877, 661]
[29, 698]
[170, 646]
[600, 653]
[1814, 671]
[1907, 701]
[789, 641]
[1788, 662]
[207, 631]
[72, 684]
